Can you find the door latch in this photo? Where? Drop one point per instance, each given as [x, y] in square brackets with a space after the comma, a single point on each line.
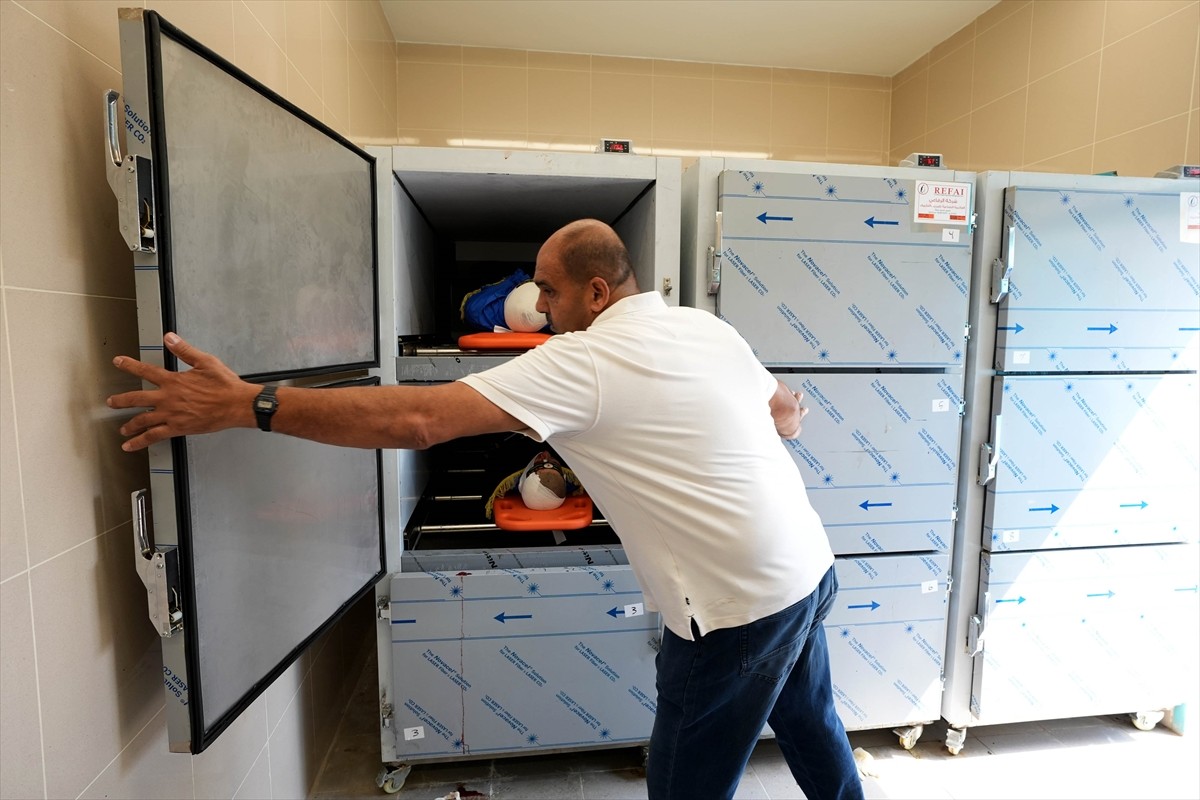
[158, 567]
[132, 181]
[714, 260]
[989, 454]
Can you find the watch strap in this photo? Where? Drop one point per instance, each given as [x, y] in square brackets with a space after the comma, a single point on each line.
[265, 405]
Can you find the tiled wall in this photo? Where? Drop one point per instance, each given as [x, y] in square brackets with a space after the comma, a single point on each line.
[1082, 86]
[80, 676]
[485, 97]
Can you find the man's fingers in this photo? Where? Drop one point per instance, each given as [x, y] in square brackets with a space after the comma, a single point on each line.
[138, 399]
[144, 440]
[142, 423]
[140, 369]
[182, 350]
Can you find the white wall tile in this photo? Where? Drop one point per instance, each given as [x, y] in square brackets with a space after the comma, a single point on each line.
[20, 729]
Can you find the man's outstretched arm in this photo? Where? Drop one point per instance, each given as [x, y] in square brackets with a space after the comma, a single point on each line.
[210, 397]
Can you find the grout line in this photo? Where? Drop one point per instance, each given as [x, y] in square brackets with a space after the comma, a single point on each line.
[1028, 69]
[116, 69]
[246, 777]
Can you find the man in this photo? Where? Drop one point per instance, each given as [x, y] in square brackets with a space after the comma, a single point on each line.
[675, 428]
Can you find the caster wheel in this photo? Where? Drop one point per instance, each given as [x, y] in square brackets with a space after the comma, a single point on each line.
[956, 738]
[391, 779]
[909, 736]
[1146, 720]
[954, 750]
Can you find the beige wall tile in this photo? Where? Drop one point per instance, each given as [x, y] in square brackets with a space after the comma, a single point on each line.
[338, 9]
[742, 113]
[89, 608]
[20, 730]
[898, 153]
[569, 61]
[91, 25]
[1002, 57]
[804, 77]
[1144, 151]
[909, 107]
[683, 108]
[414, 137]
[58, 218]
[1154, 67]
[911, 71]
[256, 52]
[370, 121]
[1062, 110]
[1076, 162]
[272, 15]
[741, 149]
[682, 69]
[293, 759]
[949, 94]
[495, 98]
[733, 72]
[1064, 31]
[997, 134]
[622, 66]
[953, 141]
[1125, 17]
[257, 784]
[145, 768]
[622, 106]
[430, 96]
[220, 769]
[429, 53]
[366, 22]
[492, 139]
[964, 35]
[14, 557]
[303, 95]
[303, 41]
[998, 13]
[799, 116]
[282, 693]
[788, 153]
[1196, 79]
[77, 480]
[842, 155]
[1192, 148]
[846, 80]
[208, 21]
[494, 57]
[335, 72]
[856, 120]
[559, 102]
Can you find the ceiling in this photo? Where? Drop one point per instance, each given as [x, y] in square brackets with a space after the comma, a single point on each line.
[867, 37]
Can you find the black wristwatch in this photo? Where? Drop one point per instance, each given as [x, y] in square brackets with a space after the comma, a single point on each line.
[264, 407]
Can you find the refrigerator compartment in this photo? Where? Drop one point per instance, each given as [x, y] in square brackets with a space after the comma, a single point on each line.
[465, 218]
[832, 270]
[1084, 632]
[879, 455]
[1101, 281]
[886, 634]
[462, 475]
[1090, 460]
[519, 661]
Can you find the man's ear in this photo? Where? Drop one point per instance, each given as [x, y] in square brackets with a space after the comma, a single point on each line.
[599, 294]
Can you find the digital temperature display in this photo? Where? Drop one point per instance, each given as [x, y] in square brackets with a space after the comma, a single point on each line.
[1191, 171]
[616, 146]
[928, 160]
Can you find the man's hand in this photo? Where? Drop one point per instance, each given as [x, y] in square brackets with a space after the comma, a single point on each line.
[787, 411]
[207, 398]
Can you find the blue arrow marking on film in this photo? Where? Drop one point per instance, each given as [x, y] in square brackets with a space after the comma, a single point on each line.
[502, 617]
[1189, 329]
[403, 621]
[763, 218]
[1051, 508]
[1142, 504]
[867, 505]
[1014, 328]
[1017, 600]
[873, 222]
[1109, 593]
[872, 605]
[615, 612]
[1189, 589]
[1109, 327]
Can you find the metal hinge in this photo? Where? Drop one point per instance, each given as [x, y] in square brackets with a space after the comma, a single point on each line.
[966, 331]
[962, 409]
[714, 260]
[954, 513]
[132, 181]
[975, 635]
[989, 454]
[383, 609]
[386, 714]
[1002, 267]
[158, 567]
[666, 290]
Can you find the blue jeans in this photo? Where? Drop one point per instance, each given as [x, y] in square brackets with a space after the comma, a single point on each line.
[715, 694]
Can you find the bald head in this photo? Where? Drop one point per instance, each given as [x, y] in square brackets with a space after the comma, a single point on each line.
[588, 248]
[582, 269]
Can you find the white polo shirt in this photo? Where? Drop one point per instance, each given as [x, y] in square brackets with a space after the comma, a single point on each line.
[663, 414]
